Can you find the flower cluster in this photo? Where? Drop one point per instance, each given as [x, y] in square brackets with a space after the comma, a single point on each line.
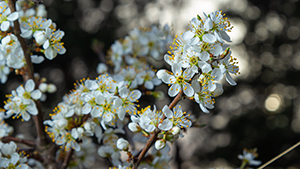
[33, 24]
[101, 102]
[168, 121]
[138, 45]
[161, 159]
[199, 59]
[10, 158]
[21, 102]
[5, 129]
[104, 106]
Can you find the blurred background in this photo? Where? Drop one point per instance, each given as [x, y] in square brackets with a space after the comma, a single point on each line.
[262, 111]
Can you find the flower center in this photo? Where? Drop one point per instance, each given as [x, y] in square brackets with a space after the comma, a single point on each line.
[180, 80]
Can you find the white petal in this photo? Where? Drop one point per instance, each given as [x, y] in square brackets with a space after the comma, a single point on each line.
[174, 90]
[150, 128]
[135, 119]
[176, 69]
[46, 44]
[217, 73]
[208, 24]
[117, 102]
[121, 114]
[26, 34]
[70, 113]
[171, 60]
[203, 108]
[20, 90]
[155, 54]
[97, 111]
[188, 74]
[13, 16]
[149, 85]
[25, 116]
[91, 84]
[168, 79]
[204, 56]
[211, 86]
[225, 36]
[5, 25]
[61, 50]
[29, 86]
[209, 38]
[217, 50]
[100, 99]
[14, 158]
[74, 133]
[36, 94]
[86, 109]
[50, 53]
[167, 112]
[177, 111]
[188, 90]
[187, 35]
[31, 108]
[165, 125]
[156, 81]
[135, 95]
[76, 146]
[255, 162]
[37, 59]
[218, 91]
[230, 80]
[124, 91]
[161, 73]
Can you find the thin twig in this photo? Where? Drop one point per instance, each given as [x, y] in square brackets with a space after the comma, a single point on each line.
[67, 159]
[38, 119]
[280, 155]
[153, 137]
[9, 138]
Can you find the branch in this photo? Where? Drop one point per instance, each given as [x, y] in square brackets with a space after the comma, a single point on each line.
[38, 119]
[280, 155]
[67, 159]
[153, 137]
[9, 138]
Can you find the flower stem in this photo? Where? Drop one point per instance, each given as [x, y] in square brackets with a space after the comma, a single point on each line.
[153, 136]
[243, 164]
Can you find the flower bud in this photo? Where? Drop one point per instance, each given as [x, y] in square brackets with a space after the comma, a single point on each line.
[51, 88]
[160, 144]
[175, 130]
[43, 87]
[101, 68]
[134, 127]
[122, 144]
